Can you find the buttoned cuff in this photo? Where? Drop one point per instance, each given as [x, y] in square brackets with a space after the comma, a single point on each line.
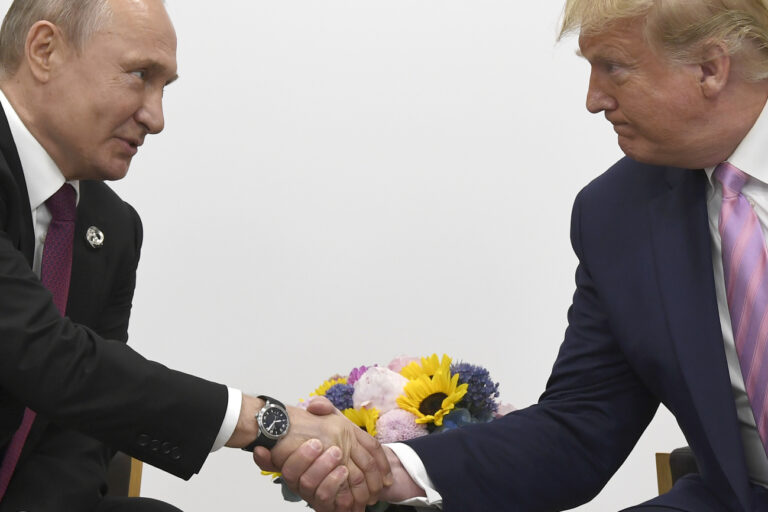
[234, 403]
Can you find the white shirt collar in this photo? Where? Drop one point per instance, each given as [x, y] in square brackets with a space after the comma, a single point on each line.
[41, 173]
[751, 155]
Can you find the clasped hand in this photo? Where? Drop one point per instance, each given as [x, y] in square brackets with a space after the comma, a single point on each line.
[327, 460]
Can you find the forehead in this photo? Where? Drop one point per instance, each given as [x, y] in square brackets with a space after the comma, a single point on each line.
[623, 37]
[137, 30]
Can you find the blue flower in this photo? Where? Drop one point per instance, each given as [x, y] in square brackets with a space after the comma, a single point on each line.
[455, 419]
[482, 392]
[340, 396]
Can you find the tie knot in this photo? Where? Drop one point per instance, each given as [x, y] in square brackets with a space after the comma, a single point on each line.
[62, 204]
[732, 178]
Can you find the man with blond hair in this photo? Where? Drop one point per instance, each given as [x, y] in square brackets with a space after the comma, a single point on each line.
[81, 86]
[671, 301]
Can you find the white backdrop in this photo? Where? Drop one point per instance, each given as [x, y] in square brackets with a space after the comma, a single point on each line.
[340, 182]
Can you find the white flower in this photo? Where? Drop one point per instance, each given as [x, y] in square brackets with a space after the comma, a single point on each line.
[378, 387]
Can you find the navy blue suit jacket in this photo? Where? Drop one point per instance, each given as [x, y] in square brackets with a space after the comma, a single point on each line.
[643, 329]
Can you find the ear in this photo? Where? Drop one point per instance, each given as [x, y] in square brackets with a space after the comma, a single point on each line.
[714, 70]
[43, 50]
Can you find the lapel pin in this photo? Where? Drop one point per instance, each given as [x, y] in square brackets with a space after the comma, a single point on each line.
[95, 237]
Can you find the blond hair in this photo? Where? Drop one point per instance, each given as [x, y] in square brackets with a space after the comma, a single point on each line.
[683, 29]
[77, 19]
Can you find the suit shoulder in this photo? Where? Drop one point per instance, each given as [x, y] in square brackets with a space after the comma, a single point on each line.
[101, 206]
[102, 198]
[626, 179]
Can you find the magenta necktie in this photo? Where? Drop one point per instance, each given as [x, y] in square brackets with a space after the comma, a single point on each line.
[55, 274]
[745, 264]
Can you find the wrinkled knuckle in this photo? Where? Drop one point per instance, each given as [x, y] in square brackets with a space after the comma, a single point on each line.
[357, 479]
[290, 476]
[323, 496]
[306, 483]
[368, 465]
[344, 501]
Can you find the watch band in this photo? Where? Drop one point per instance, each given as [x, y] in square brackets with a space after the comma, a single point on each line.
[262, 440]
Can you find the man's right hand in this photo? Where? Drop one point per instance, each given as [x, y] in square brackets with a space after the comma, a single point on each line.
[320, 478]
[353, 469]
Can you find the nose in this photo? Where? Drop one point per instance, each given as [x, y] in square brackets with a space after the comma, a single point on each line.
[598, 99]
[150, 114]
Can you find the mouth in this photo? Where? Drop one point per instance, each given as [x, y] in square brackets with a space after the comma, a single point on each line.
[130, 145]
[621, 128]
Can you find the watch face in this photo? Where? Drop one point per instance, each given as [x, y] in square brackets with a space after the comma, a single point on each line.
[274, 421]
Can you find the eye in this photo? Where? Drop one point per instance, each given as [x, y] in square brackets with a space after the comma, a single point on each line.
[611, 67]
[141, 74]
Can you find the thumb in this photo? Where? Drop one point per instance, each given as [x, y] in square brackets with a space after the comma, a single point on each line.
[320, 406]
[263, 458]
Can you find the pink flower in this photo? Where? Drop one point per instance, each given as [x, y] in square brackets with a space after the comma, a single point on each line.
[504, 409]
[356, 373]
[401, 362]
[398, 425]
[378, 387]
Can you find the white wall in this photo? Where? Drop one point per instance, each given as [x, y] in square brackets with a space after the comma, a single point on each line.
[341, 182]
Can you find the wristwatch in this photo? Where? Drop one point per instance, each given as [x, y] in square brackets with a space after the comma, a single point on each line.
[273, 424]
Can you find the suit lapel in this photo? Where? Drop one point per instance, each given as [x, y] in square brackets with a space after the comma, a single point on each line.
[89, 265]
[683, 253]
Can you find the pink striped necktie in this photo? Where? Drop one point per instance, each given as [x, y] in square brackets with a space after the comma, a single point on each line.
[745, 264]
[55, 273]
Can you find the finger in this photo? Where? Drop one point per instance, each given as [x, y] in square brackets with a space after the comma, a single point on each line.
[344, 499]
[374, 448]
[361, 456]
[263, 458]
[315, 474]
[298, 462]
[333, 492]
[321, 406]
[358, 486]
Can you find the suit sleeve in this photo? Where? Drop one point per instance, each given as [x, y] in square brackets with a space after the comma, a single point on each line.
[96, 386]
[558, 453]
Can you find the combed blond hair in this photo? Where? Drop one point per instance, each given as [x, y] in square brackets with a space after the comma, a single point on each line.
[683, 29]
[77, 19]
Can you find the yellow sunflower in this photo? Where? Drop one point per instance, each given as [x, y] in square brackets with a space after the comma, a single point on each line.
[325, 386]
[364, 418]
[429, 366]
[430, 399]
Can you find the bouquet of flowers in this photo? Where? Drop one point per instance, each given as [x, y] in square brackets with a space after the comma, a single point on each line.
[412, 397]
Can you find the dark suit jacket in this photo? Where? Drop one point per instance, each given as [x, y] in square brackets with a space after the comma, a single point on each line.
[92, 393]
[643, 329]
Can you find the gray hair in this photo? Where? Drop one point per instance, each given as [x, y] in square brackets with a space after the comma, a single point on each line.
[77, 19]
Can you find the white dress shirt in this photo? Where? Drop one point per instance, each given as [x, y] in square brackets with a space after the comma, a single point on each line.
[43, 179]
[751, 156]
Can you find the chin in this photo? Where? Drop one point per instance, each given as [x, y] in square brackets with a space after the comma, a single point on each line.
[642, 155]
[115, 171]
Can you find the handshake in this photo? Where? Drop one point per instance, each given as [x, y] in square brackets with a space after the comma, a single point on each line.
[326, 459]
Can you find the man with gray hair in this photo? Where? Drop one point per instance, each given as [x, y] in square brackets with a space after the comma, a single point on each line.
[81, 86]
[671, 301]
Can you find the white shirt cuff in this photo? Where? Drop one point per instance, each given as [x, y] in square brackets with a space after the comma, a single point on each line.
[415, 468]
[234, 402]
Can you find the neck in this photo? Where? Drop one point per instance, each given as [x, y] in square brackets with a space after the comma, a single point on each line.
[735, 114]
[24, 100]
